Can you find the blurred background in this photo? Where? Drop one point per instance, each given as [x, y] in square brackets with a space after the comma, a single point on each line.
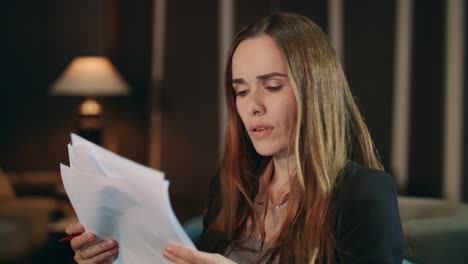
[405, 62]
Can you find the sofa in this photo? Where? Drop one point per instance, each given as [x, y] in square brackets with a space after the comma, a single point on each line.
[23, 222]
[436, 230]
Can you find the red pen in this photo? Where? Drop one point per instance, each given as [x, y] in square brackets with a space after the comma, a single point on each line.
[67, 238]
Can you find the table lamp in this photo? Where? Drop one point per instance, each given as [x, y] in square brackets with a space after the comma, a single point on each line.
[90, 77]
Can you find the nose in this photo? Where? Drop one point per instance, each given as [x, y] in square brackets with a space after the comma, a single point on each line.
[256, 103]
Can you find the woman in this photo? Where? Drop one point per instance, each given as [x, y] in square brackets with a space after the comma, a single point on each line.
[300, 180]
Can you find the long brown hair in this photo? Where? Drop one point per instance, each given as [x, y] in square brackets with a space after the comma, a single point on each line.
[329, 131]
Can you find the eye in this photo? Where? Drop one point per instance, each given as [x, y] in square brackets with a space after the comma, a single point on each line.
[272, 84]
[241, 93]
[240, 89]
[274, 88]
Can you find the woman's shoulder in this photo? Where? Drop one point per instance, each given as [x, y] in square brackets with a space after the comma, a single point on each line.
[359, 183]
[367, 221]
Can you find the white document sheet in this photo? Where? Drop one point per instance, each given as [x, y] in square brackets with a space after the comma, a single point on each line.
[120, 199]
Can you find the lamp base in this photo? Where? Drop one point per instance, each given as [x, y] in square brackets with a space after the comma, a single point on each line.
[91, 134]
[89, 127]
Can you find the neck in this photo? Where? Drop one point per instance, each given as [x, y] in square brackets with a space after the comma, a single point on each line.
[283, 168]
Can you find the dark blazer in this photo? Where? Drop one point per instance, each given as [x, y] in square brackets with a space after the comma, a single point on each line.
[367, 225]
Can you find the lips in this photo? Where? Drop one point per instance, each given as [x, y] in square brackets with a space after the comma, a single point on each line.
[260, 131]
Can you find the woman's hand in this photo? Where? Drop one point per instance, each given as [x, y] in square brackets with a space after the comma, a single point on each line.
[182, 255]
[87, 249]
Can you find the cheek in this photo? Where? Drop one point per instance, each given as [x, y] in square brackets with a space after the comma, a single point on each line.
[240, 111]
[289, 121]
[289, 112]
[292, 114]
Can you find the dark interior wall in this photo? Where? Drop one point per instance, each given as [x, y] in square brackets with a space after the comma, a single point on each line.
[369, 38]
[317, 10]
[369, 43]
[24, 76]
[427, 98]
[369, 30]
[465, 126]
[128, 119]
[189, 103]
[41, 38]
[189, 97]
[248, 12]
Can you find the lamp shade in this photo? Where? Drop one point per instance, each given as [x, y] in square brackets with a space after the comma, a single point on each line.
[90, 76]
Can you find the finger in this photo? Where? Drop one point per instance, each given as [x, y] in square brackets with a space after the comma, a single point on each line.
[94, 250]
[103, 258]
[179, 252]
[81, 240]
[172, 258]
[106, 261]
[74, 229]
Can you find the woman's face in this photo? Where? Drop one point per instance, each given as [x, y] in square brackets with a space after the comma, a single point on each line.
[264, 97]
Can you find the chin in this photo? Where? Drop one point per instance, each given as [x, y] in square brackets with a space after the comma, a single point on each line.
[265, 151]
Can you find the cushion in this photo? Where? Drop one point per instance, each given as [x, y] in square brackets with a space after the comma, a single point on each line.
[6, 189]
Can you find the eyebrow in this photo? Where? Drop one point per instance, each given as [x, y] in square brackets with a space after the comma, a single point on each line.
[261, 77]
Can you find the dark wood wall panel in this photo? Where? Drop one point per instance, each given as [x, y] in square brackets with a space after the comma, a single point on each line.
[23, 85]
[465, 123]
[317, 10]
[427, 98]
[369, 37]
[41, 38]
[190, 102]
[247, 12]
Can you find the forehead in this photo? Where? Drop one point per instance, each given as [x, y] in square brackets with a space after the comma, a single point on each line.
[257, 56]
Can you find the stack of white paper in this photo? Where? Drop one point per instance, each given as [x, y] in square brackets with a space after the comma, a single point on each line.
[117, 198]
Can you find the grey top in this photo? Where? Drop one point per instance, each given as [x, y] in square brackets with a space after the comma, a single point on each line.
[269, 214]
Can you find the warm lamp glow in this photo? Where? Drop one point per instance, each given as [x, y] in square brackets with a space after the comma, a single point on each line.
[90, 76]
[90, 108]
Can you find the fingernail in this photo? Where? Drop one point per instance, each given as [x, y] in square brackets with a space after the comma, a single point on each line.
[110, 242]
[169, 249]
